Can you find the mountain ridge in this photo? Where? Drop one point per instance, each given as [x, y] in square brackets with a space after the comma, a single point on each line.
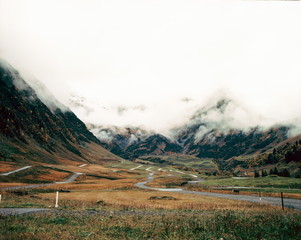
[27, 120]
[203, 137]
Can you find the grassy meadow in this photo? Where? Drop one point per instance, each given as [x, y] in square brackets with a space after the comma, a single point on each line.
[103, 203]
[223, 224]
[133, 214]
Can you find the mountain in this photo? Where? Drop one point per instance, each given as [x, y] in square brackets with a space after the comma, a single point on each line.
[37, 128]
[133, 142]
[212, 132]
[156, 144]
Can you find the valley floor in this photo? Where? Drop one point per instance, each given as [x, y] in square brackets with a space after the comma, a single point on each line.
[108, 205]
[217, 224]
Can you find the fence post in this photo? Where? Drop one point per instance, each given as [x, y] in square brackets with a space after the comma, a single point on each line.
[57, 199]
[282, 202]
[0, 198]
[260, 201]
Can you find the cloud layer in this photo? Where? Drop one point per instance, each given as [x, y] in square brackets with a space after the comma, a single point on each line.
[154, 63]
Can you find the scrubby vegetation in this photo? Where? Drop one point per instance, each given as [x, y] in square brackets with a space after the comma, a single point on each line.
[173, 225]
[284, 154]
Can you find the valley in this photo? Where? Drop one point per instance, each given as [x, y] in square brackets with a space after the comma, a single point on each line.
[109, 199]
[130, 183]
[126, 176]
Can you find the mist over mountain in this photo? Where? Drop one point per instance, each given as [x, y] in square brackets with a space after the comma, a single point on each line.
[214, 131]
[108, 73]
[37, 127]
[40, 129]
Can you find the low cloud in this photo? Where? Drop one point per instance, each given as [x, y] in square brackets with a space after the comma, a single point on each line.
[187, 99]
[45, 95]
[223, 113]
[160, 76]
[103, 134]
[121, 110]
[25, 81]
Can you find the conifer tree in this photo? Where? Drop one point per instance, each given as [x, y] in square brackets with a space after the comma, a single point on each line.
[264, 173]
[271, 172]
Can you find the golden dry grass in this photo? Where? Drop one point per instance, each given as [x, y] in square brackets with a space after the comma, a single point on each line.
[97, 170]
[7, 167]
[161, 182]
[50, 176]
[4, 185]
[141, 199]
[95, 184]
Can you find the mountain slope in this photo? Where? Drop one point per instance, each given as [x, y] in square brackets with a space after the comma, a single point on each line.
[31, 131]
[154, 145]
[214, 132]
[133, 142]
[210, 133]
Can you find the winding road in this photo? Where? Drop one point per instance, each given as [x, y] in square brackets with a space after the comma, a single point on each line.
[275, 201]
[14, 171]
[72, 178]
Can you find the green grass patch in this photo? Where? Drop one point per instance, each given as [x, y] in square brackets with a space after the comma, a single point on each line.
[262, 182]
[59, 220]
[228, 224]
[122, 164]
[183, 160]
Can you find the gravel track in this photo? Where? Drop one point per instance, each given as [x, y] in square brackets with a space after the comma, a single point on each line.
[72, 178]
[288, 202]
[14, 171]
[275, 201]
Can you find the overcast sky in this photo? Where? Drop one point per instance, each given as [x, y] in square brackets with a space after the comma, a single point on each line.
[153, 63]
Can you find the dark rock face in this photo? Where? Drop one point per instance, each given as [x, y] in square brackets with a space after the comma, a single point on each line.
[130, 145]
[200, 137]
[24, 117]
[214, 144]
[234, 143]
[214, 138]
[153, 145]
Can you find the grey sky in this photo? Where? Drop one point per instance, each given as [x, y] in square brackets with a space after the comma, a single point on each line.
[145, 57]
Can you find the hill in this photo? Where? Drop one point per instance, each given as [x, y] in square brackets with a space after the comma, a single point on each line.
[210, 133]
[33, 130]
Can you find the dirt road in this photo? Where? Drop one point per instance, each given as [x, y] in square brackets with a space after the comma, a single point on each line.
[14, 171]
[72, 178]
[275, 201]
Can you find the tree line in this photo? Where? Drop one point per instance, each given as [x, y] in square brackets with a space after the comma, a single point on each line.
[263, 173]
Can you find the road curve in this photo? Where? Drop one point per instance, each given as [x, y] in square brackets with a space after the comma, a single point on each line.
[72, 178]
[275, 201]
[17, 170]
[149, 179]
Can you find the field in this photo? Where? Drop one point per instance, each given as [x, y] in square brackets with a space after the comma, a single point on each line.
[104, 203]
[269, 184]
[224, 224]
[184, 161]
[116, 215]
